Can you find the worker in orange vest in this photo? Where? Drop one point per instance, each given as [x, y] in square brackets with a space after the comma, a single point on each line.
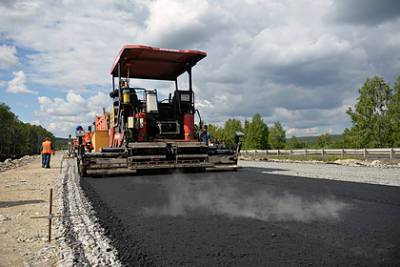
[47, 150]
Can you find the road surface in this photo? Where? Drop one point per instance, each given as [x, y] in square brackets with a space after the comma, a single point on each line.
[247, 218]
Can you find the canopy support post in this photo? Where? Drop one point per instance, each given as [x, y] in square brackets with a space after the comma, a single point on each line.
[119, 75]
[190, 78]
[119, 95]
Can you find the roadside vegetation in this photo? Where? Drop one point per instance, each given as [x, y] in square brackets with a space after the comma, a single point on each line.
[18, 138]
[375, 124]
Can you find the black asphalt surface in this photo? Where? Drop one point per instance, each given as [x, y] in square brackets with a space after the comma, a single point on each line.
[247, 218]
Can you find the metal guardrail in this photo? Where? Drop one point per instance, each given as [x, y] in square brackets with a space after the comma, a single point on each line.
[390, 153]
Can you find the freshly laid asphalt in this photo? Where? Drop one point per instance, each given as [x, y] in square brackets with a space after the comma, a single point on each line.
[247, 218]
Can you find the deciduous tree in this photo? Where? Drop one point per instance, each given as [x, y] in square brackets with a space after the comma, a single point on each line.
[256, 133]
[294, 143]
[394, 113]
[277, 136]
[231, 126]
[370, 116]
[323, 141]
[18, 138]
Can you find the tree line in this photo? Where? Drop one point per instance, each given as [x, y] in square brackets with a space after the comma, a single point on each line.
[375, 124]
[18, 138]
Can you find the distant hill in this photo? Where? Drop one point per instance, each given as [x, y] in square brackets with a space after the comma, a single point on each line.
[313, 139]
[61, 143]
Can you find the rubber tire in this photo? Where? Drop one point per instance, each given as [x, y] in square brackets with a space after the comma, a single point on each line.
[82, 170]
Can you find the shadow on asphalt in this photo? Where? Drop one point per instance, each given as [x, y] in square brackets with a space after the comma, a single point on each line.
[173, 171]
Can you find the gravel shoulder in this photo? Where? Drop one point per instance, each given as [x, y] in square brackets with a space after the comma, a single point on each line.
[81, 239]
[24, 193]
[360, 174]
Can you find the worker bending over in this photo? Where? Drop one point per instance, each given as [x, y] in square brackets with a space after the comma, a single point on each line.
[47, 150]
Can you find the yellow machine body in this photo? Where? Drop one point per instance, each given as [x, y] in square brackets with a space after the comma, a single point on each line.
[127, 96]
[99, 140]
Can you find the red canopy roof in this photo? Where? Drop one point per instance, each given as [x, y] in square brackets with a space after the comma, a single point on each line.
[148, 62]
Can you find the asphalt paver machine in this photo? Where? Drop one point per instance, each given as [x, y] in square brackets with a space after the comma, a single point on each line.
[145, 132]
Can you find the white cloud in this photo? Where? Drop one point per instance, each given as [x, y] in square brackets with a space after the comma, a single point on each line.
[287, 60]
[18, 84]
[295, 45]
[313, 131]
[8, 56]
[99, 100]
[74, 42]
[73, 104]
[62, 115]
[308, 118]
[183, 24]
[172, 16]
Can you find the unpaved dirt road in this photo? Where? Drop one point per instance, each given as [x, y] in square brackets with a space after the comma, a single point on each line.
[247, 218]
[24, 193]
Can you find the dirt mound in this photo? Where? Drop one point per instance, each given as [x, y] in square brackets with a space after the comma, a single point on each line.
[15, 163]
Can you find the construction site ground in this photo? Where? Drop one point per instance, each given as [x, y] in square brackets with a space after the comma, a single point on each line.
[248, 218]
[264, 214]
[24, 193]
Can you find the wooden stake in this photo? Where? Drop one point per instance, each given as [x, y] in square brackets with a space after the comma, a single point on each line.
[50, 212]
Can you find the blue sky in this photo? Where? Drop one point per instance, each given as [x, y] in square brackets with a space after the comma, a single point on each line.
[299, 62]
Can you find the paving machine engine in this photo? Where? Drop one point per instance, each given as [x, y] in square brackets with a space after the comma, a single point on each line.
[145, 132]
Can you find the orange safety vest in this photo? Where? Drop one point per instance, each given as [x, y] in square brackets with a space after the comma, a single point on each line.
[87, 137]
[46, 147]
